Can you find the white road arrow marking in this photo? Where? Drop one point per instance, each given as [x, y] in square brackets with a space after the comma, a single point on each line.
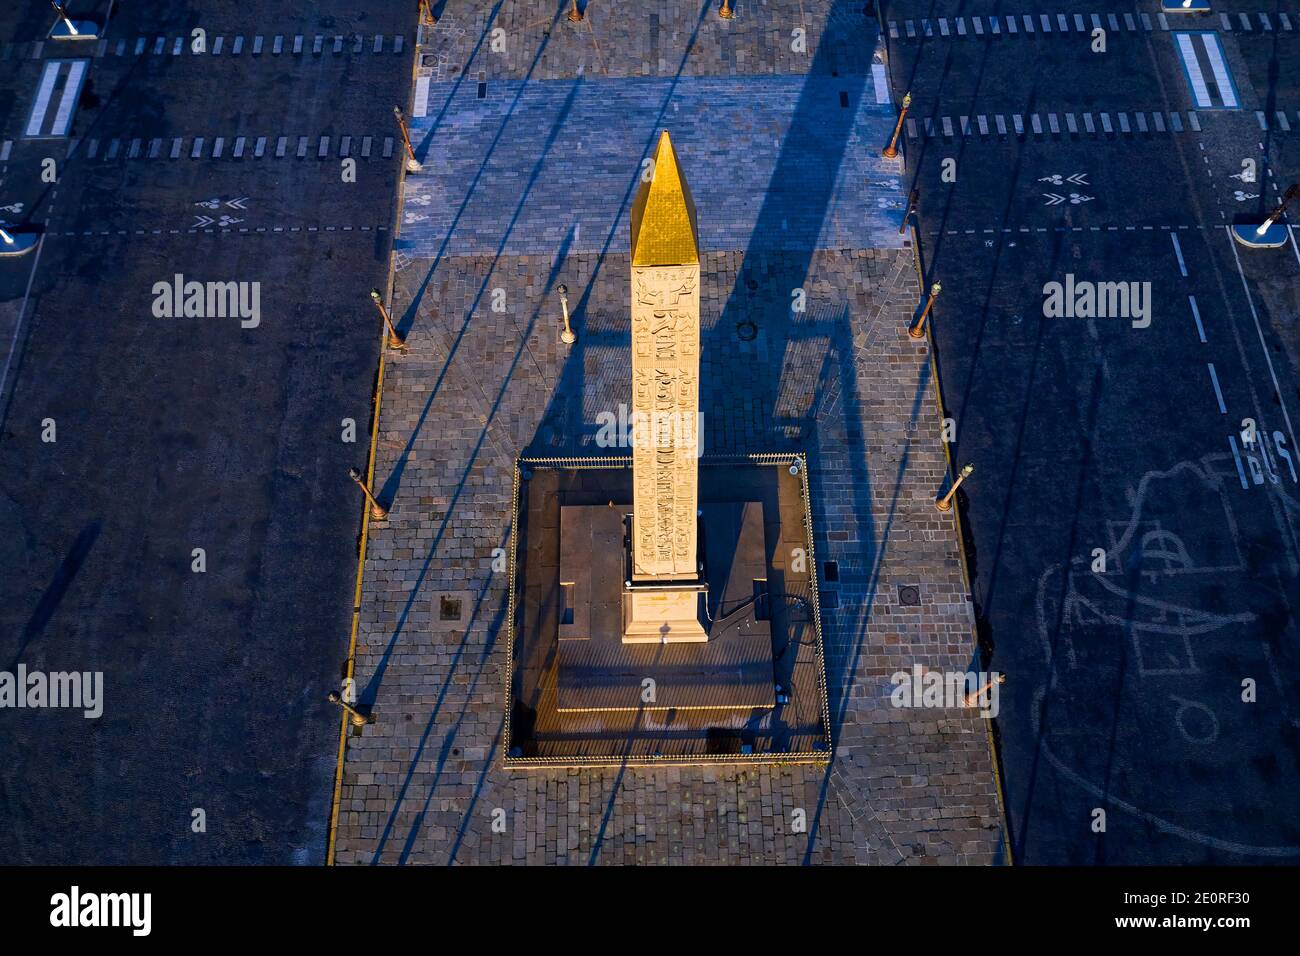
[237, 203]
[202, 222]
[1053, 199]
[1056, 179]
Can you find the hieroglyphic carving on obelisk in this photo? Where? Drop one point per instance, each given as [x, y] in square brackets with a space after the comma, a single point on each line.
[665, 372]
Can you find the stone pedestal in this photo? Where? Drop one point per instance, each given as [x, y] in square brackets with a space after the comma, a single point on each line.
[705, 644]
[664, 615]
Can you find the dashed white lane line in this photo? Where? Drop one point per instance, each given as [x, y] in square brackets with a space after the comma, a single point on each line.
[1250, 300]
[1218, 392]
[1178, 251]
[1196, 314]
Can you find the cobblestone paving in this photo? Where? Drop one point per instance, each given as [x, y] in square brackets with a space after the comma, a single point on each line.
[661, 38]
[502, 172]
[486, 379]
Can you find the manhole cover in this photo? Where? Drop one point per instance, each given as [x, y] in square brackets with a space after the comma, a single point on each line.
[746, 331]
[909, 595]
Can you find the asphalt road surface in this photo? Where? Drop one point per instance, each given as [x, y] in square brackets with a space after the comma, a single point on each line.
[1135, 555]
[172, 434]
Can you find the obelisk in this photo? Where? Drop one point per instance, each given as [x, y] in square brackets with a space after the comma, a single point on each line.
[663, 600]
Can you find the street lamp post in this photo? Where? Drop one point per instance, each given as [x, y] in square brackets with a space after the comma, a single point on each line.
[395, 341]
[426, 14]
[567, 336]
[377, 511]
[917, 330]
[355, 717]
[945, 503]
[1276, 214]
[15, 244]
[412, 164]
[724, 11]
[974, 696]
[66, 29]
[575, 15]
[63, 15]
[1272, 232]
[890, 151]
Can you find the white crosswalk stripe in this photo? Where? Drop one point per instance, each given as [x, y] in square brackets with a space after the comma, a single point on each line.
[43, 94]
[64, 78]
[1214, 50]
[1187, 50]
[234, 46]
[1041, 25]
[1202, 57]
[1134, 124]
[222, 148]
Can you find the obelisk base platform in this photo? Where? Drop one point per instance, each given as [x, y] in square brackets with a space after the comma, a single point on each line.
[664, 614]
[705, 644]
